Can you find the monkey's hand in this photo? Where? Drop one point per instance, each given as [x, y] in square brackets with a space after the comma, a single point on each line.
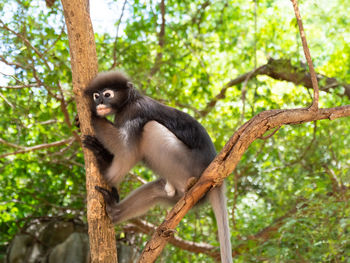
[103, 156]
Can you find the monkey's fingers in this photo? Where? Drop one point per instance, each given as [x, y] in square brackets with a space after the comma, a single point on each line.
[92, 143]
[101, 153]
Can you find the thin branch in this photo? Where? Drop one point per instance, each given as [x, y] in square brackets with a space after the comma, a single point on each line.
[31, 85]
[2, 141]
[231, 83]
[271, 134]
[336, 186]
[301, 157]
[16, 64]
[265, 234]
[161, 41]
[280, 69]
[244, 91]
[64, 109]
[138, 178]
[56, 40]
[115, 46]
[192, 51]
[197, 18]
[48, 122]
[26, 42]
[40, 83]
[38, 147]
[314, 105]
[7, 101]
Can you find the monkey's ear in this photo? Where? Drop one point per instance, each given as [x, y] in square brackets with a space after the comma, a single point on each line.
[130, 85]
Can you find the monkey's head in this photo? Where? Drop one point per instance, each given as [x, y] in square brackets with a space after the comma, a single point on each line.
[108, 93]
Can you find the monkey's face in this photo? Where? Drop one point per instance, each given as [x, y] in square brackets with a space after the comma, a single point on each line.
[108, 93]
[104, 102]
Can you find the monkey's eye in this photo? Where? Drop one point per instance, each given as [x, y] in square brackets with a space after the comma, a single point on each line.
[108, 94]
[96, 96]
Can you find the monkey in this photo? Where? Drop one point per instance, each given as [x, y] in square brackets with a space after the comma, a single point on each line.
[174, 145]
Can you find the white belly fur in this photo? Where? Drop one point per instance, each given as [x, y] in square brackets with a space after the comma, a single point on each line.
[167, 156]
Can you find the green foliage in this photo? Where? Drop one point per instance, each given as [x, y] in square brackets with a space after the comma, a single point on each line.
[290, 201]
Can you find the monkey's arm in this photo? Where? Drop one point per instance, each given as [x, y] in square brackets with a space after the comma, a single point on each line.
[116, 148]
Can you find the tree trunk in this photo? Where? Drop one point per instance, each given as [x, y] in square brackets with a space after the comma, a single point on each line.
[84, 68]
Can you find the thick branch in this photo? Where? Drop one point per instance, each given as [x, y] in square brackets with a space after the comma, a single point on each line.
[84, 68]
[227, 161]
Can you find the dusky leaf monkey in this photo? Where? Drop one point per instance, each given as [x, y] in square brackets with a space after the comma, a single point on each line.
[170, 142]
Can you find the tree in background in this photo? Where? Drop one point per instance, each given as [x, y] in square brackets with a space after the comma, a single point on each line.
[222, 62]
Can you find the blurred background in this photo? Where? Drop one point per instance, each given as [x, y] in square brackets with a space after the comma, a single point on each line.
[220, 61]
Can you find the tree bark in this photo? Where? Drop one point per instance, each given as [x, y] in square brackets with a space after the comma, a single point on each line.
[84, 68]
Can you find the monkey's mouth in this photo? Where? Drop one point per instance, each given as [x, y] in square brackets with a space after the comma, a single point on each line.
[103, 110]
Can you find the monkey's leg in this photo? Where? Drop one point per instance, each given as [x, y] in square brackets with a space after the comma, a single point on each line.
[139, 201]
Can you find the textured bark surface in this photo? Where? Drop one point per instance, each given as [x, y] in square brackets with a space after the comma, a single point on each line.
[227, 161]
[84, 68]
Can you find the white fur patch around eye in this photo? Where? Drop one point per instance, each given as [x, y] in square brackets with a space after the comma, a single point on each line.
[108, 93]
[95, 96]
[169, 189]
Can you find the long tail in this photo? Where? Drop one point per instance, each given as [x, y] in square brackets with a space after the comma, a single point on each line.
[217, 199]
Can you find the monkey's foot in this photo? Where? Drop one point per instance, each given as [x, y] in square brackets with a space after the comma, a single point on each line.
[110, 197]
[169, 189]
[112, 203]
